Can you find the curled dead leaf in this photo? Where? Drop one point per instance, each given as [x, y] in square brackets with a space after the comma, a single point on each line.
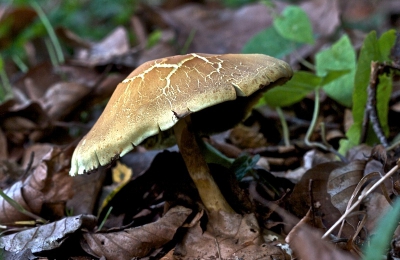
[228, 236]
[47, 185]
[136, 242]
[46, 237]
[342, 181]
[306, 243]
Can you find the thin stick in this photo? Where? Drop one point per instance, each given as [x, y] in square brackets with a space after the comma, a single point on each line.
[376, 69]
[218, 250]
[360, 199]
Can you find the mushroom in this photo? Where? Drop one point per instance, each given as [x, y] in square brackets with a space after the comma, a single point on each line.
[176, 100]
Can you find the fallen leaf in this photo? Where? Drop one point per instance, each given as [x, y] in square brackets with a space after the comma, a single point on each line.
[48, 185]
[136, 242]
[214, 30]
[46, 237]
[86, 196]
[247, 137]
[228, 236]
[306, 243]
[342, 181]
[299, 201]
[15, 19]
[114, 45]
[375, 205]
[324, 15]
[61, 98]
[3, 145]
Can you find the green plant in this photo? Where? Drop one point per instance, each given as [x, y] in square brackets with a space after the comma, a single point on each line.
[380, 242]
[336, 71]
[373, 49]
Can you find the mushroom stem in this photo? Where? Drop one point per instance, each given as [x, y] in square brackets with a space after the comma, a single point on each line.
[197, 167]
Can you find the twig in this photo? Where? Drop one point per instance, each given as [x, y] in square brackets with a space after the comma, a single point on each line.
[376, 69]
[361, 198]
[310, 192]
[218, 250]
[29, 166]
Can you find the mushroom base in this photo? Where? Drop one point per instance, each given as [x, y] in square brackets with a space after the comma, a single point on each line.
[197, 167]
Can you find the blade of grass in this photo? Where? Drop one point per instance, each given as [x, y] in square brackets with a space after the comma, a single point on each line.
[380, 241]
[5, 87]
[105, 218]
[285, 129]
[49, 29]
[21, 209]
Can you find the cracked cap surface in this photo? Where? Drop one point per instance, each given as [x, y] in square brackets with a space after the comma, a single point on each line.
[160, 92]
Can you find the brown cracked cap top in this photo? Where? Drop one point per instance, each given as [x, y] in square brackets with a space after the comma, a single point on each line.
[160, 92]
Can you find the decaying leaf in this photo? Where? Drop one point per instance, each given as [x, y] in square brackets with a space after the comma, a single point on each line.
[342, 181]
[3, 145]
[84, 201]
[16, 18]
[60, 99]
[46, 237]
[303, 192]
[228, 236]
[306, 243]
[136, 242]
[48, 184]
[115, 45]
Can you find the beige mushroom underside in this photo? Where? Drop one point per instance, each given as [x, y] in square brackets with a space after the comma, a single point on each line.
[155, 95]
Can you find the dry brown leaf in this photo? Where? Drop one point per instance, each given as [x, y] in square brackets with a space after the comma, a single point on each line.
[86, 196]
[17, 18]
[228, 236]
[47, 185]
[342, 182]
[114, 45]
[46, 237]
[10, 172]
[307, 244]
[324, 15]
[61, 98]
[222, 30]
[299, 200]
[375, 205]
[27, 193]
[72, 39]
[379, 154]
[247, 137]
[136, 242]
[25, 254]
[3, 145]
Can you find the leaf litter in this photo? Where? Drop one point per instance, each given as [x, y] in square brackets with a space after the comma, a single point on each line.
[155, 213]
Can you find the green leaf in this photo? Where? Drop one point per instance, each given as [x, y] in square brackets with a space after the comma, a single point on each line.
[301, 84]
[380, 241]
[372, 50]
[243, 164]
[293, 91]
[341, 56]
[294, 24]
[270, 42]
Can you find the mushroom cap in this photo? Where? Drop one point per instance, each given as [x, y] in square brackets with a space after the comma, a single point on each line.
[158, 93]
